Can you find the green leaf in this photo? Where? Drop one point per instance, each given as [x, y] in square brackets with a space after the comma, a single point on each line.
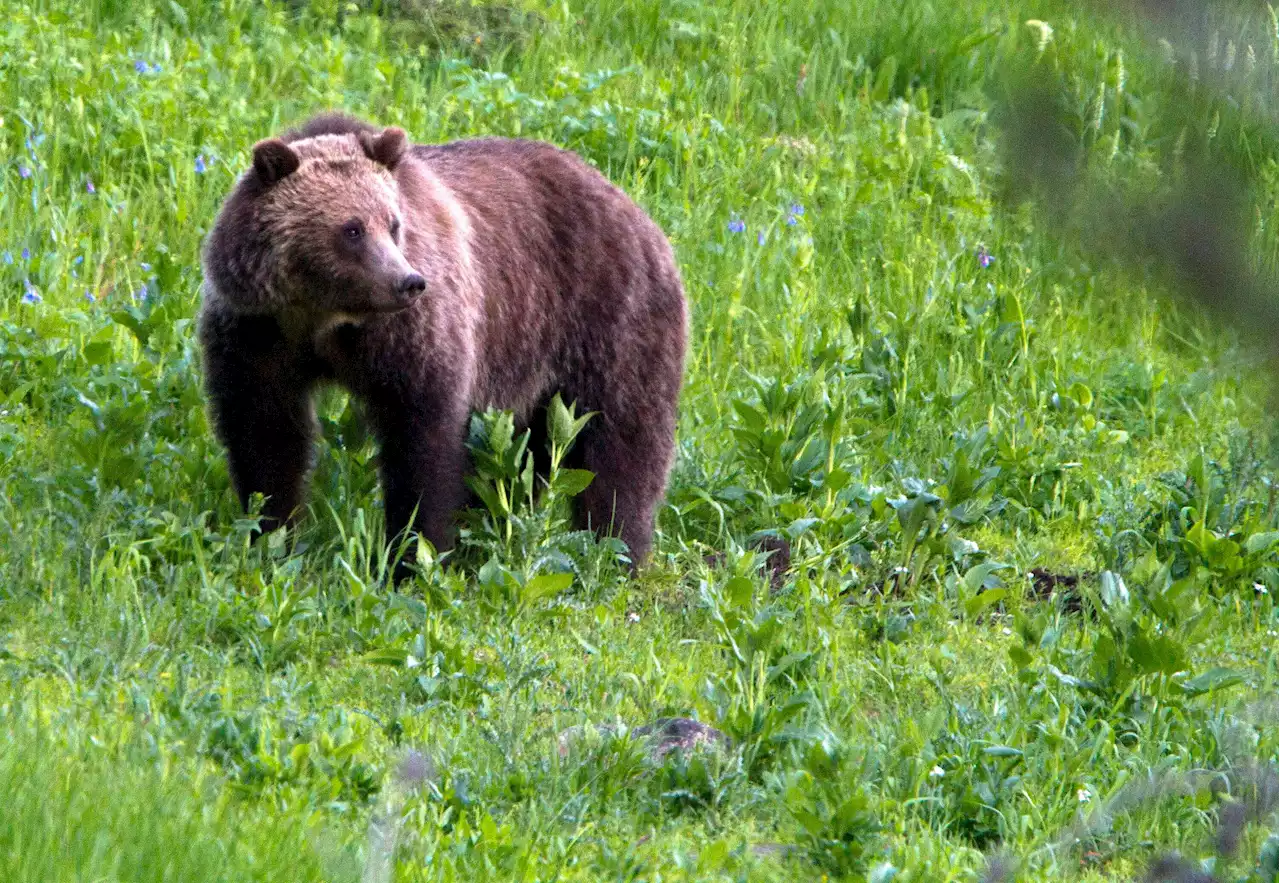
[179, 16]
[740, 591]
[752, 418]
[1115, 594]
[885, 76]
[559, 422]
[1160, 654]
[974, 606]
[911, 516]
[1081, 394]
[837, 480]
[20, 392]
[386, 656]
[1214, 679]
[546, 585]
[1001, 751]
[488, 495]
[591, 649]
[571, 482]
[980, 577]
[1260, 542]
[785, 664]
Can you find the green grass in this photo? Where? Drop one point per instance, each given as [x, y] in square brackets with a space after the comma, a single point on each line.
[180, 705]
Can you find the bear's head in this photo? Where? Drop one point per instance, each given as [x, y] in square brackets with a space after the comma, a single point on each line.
[328, 211]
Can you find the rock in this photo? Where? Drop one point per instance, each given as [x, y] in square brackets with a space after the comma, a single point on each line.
[663, 736]
[777, 558]
[668, 734]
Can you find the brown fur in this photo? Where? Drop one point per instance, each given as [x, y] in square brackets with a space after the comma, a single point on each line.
[541, 277]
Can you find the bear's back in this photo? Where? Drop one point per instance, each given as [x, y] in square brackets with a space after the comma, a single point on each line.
[552, 217]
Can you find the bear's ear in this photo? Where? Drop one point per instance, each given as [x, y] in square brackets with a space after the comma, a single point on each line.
[273, 160]
[386, 148]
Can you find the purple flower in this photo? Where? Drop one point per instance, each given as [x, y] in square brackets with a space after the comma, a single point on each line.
[155, 68]
[30, 296]
[26, 254]
[201, 167]
[797, 209]
[140, 66]
[760, 238]
[984, 257]
[24, 172]
[145, 266]
[737, 225]
[88, 295]
[79, 260]
[88, 186]
[791, 220]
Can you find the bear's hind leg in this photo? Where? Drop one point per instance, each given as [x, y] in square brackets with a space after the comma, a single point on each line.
[630, 471]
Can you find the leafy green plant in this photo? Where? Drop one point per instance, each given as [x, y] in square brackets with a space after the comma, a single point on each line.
[523, 526]
[760, 700]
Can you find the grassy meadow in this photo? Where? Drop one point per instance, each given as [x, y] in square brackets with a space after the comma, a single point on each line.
[1028, 629]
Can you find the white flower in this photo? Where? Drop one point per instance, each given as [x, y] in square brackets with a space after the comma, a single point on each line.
[937, 772]
[1083, 795]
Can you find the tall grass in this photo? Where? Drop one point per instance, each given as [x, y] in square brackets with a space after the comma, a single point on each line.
[1028, 492]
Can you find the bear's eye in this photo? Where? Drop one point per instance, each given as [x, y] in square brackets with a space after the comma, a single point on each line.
[353, 231]
[395, 228]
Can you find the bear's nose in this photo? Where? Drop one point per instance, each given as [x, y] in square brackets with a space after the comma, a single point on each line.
[412, 284]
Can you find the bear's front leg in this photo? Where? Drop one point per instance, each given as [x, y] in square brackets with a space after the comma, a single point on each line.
[423, 465]
[260, 400]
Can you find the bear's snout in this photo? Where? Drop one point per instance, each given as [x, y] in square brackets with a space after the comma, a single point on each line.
[411, 285]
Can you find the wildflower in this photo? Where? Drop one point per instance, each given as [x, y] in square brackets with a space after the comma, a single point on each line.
[140, 66]
[88, 186]
[737, 225]
[145, 266]
[791, 220]
[797, 209]
[1083, 795]
[155, 68]
[88, 295]
[937, 772]
[30, 296]
[984, 257]
[760, 238]
[79, 260]
[24, 172]
[26, 254]
[201, 167]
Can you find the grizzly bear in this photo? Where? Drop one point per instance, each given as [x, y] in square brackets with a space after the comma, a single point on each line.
[432, 281]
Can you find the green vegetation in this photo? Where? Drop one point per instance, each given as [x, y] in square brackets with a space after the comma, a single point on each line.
[1030, 494]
